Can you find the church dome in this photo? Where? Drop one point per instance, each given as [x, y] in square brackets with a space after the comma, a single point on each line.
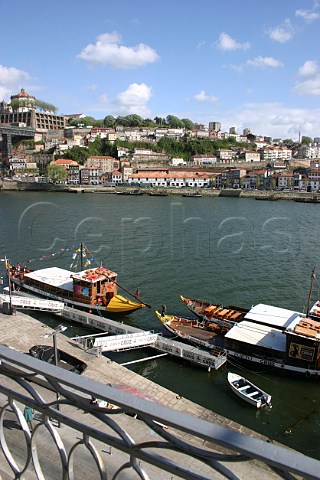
[22, 94]
[22, 101]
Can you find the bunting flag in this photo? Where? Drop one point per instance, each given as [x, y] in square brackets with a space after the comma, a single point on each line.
[84, 252]
[50, 255]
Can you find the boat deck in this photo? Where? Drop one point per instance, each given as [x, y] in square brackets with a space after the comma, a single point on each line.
[213, 336]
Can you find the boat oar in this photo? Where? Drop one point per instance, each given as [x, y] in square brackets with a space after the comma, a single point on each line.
[132, 295]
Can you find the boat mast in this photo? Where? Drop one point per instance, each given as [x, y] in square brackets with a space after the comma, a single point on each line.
[310, 290]
[81, 257]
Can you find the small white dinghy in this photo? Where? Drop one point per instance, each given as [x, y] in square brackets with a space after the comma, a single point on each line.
[249, 392]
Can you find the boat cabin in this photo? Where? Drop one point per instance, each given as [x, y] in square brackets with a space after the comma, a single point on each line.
[98, 284]
[248, 339]
[302, 346]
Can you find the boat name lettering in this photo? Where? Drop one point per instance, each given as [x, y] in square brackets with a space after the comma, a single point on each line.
[188, 355]
[267, 362]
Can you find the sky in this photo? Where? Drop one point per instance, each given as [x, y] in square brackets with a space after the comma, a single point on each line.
[250, 64]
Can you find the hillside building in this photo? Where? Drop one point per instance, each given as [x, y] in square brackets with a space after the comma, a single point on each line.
[22, 110]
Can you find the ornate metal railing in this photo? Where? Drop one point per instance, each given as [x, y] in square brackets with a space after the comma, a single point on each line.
[125, 433]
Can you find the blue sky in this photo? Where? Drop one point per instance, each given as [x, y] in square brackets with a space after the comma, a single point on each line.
[245, 64]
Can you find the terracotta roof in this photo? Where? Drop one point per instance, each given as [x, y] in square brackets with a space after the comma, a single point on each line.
[64, 161]
[170, 175]
[101, 156]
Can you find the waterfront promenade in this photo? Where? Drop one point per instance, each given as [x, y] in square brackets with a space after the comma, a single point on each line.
[170, 191]
[21, 331]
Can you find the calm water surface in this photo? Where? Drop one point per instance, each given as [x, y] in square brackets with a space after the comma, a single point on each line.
[224, 250]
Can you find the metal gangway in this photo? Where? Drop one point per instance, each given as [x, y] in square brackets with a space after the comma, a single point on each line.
[124, 336]
[10, 302]
[99, 343]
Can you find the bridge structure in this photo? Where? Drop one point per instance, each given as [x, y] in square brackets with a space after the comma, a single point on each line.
[8, 131]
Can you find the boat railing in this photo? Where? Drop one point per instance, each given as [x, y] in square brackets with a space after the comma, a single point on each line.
[140, 436]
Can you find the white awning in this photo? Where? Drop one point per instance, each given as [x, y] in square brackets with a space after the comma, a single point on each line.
[54, 276]
[258, 335]
[274, 316]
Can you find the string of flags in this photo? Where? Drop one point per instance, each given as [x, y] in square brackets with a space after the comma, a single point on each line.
[79, 254]
[50, 255]
[76, 257]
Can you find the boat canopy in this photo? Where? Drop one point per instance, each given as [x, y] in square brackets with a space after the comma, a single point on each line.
[54, 276]
[274, 316]
[259, 335]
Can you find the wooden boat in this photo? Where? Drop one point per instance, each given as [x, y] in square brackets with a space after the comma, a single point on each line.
[207, 335]
[94, 290]
[267, 337]
[192, 195]
[226, 316]
[248, 391]
[64, 360]
[270, 198]
[158, 194]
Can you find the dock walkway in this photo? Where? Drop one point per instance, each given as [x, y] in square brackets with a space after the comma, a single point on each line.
[166, 345]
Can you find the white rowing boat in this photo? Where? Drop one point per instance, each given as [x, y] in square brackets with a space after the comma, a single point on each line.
[248, 391]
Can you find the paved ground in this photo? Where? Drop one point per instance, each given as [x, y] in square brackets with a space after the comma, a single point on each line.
[21, 331]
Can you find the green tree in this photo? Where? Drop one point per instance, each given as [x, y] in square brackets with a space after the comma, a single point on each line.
[78, 154]
[109, 121]
[148, 122]
[188, 124]
[160, 121]
[56, 173]
[122, 121]
[44, 106]
[306, 140]
[174, 122]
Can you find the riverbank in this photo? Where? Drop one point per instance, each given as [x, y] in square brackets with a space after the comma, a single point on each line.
[308, 197]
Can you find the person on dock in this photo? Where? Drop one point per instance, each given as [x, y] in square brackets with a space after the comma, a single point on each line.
[28, 415]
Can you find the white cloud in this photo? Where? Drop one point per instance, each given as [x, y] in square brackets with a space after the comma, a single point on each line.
[275, 120]
[308, 15]
[134, 99]
[11, 80]
[103, 98]
[92, 88]
[108, 50]
[200, 44]
[227, 43]
[309, 69]
[308, 87]
[203, 97]
[309, 79]
[282, 33]
[264, 62]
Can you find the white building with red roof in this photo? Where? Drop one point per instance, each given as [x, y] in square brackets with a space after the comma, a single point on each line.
[171, 179]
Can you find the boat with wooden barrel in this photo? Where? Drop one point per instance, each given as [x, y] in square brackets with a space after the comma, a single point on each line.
[269, 337]
[216, 312]
[208, 335]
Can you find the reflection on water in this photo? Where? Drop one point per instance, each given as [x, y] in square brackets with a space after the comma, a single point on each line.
[230, 251]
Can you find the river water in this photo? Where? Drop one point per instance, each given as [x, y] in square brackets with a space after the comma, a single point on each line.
[224, 250]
